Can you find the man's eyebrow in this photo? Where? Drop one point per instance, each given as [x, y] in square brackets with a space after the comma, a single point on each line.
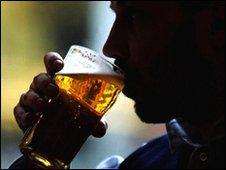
[112, 7]
[115, 5]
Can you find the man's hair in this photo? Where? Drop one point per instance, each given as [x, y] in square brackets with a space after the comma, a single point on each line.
[193, 7]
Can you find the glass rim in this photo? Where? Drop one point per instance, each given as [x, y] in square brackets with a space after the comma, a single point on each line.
[112, 64]
[103, 57]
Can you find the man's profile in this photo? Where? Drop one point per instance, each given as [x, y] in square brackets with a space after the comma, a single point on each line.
[173, 56]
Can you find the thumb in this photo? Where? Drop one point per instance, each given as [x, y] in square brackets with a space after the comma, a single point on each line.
[101, 128]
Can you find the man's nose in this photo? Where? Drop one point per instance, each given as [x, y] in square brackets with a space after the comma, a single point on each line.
[117, 43]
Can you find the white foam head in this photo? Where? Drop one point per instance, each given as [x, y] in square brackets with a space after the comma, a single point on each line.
[81, 60]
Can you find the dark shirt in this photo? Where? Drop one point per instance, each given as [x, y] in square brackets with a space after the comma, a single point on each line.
[182, 148]
[154, 155]
[195, 152]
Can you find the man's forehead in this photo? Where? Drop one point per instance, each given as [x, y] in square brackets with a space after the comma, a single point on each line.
[142, 5]
[118, 4]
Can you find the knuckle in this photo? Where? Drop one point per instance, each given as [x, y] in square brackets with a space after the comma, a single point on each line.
[29, 98]
[21, 100]
[25, 96]
[15, 111]
[32, 86]
[38, 78]
[22, 96]
[42, 80]
[19, 114]
[32, 96]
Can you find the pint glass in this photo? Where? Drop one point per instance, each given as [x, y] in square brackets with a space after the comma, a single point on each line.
[88, 86]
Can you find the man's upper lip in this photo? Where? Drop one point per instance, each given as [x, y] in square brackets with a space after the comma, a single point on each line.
[131, 79]
[129, 91]
[121, 63]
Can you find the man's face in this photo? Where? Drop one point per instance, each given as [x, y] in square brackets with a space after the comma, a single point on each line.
[150, 43]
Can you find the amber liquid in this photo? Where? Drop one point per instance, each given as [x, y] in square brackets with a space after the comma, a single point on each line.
[85, 98]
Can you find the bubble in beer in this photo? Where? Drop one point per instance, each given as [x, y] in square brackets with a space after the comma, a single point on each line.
[98, 92]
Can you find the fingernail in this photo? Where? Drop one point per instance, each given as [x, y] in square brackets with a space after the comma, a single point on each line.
[104, 120]
[100, 130]
[106, 125]
[58, 64]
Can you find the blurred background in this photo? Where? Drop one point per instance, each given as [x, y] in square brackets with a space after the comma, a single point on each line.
[31, 29]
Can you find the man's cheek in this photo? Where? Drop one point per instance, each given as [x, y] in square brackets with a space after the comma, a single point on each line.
[156, 45]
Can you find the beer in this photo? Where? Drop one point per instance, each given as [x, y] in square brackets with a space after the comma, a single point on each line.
[97, 92]
[85, 98]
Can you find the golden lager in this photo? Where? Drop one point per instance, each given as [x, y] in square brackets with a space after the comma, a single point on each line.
[96, 92]
[82, 101]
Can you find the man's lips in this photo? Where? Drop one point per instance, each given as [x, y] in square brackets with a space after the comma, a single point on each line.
[131, 88]
[132, 79]
[127, 91]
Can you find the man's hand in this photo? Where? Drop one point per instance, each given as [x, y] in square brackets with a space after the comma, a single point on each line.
[43, 88]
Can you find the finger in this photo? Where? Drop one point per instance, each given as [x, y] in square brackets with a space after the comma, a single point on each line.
[53, 63]
[104, 121]
[44, 85]
[33, 101]
[101, 129]
[24, 119]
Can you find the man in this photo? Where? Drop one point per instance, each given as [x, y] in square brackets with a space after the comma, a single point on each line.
[172, 53]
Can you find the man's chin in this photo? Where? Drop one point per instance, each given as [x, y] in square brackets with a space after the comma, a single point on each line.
[151, 114]
[150, 108]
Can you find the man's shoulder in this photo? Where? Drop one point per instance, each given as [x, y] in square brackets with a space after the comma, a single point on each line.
[156, 144]
[20, 163]
[154, 154]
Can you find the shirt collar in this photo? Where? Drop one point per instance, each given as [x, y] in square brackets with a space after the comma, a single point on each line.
[181, 132]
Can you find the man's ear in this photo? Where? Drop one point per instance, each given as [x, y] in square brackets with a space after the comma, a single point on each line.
[210, 36]
[210, 31]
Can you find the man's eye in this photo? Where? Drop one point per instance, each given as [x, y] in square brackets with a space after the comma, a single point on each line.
[130, 16]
